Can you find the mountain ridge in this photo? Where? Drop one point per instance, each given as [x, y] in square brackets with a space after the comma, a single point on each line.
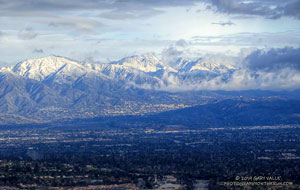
[57, 88]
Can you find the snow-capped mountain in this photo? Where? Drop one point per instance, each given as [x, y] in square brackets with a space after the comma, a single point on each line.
[58, 89]
[203, 64]
[145, 70]
[194, 72]
[135, 69]
[210, 66]
[145, 63]
[39, 69]
[53, 68]
[53, 87]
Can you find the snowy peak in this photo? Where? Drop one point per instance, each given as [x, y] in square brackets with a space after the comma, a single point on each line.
[146, 63]
[182, 64]
[206, 66]
[145, 70]
[209, 65]
[5, 70]
[39, 69]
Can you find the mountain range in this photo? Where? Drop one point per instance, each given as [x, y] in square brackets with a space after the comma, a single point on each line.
[54, 88]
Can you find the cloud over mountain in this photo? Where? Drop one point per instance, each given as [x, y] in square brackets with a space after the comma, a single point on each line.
[270, 9]
[274, 59]
[42, 89]
[265, 69]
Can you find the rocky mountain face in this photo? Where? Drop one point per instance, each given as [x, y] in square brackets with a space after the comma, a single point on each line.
[56, 88]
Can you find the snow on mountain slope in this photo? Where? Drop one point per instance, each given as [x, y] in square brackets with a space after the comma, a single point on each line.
[146, 63]
[53, 88]
[20, 94]
[204, 64]
[69, 73]
[145, 71]
[125, 74]
[181, 64]
[53, 68]
[39, 69]
[211, 65]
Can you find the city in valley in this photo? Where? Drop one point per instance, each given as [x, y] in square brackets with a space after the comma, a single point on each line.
[149, 157]
[149, 94]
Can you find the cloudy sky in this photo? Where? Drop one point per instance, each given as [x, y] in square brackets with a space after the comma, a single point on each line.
[104, 30]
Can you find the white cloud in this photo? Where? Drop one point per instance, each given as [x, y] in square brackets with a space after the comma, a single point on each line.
[268, 69]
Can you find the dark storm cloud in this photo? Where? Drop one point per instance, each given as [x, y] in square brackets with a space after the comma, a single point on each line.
[292, 9]
[274, 59]
[242, 7]
[229, 23]
[127, 9]
[272, 9]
